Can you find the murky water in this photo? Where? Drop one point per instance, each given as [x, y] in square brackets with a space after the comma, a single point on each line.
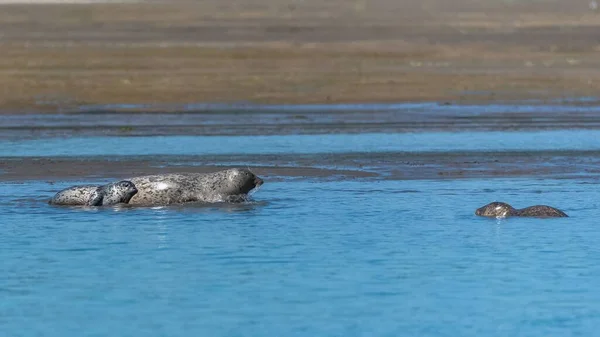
[310, 256]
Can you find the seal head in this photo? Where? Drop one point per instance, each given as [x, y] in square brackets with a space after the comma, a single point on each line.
[241, 181]
[496, 209]
[112, 194]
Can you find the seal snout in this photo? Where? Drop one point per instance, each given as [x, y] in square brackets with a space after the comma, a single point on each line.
[258, 181]
[129, 187]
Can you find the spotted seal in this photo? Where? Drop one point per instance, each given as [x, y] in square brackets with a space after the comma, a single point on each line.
[503, 210]
[175, 188]
[93, 195]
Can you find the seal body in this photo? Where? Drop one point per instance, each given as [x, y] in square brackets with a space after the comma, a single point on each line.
[93, 195]
[75, 195]
[542, 211]
[503, 210]
[175, 188]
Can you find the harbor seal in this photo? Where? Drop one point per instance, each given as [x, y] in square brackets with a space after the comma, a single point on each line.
[503, 210]
[230, 185]
[93, 195]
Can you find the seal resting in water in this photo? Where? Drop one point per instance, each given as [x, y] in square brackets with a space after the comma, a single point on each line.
[93, 195]
[175, 188]
[503, 210]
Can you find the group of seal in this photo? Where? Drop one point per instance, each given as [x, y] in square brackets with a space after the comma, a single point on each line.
[502, 210]
[223, 186]
[229, 185]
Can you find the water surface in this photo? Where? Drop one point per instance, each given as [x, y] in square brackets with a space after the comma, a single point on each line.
[301, 144]
[352, 234]
[307, 258]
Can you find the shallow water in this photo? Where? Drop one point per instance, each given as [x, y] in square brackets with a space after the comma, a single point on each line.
[300, 144]
[395, 254]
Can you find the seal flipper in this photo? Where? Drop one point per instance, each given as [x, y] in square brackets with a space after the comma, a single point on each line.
[96, 198]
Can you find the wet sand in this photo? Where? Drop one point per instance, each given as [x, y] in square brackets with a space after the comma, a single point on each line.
[380, 166]
[55, 58]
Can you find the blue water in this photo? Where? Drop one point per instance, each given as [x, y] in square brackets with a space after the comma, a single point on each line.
[342, 143]
[307, 258]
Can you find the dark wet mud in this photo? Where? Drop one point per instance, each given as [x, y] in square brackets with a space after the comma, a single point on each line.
[344, 166]
[232, 120]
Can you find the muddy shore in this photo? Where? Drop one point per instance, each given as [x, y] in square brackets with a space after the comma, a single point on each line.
[55, 58]
[381, 166]
[306, 120]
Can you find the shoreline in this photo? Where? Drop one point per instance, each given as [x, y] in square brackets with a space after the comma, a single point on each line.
[397, 166]
[56, 58]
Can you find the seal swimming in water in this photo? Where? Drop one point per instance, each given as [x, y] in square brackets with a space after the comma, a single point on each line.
[175, 188]
[93, 195]
[502, 210]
